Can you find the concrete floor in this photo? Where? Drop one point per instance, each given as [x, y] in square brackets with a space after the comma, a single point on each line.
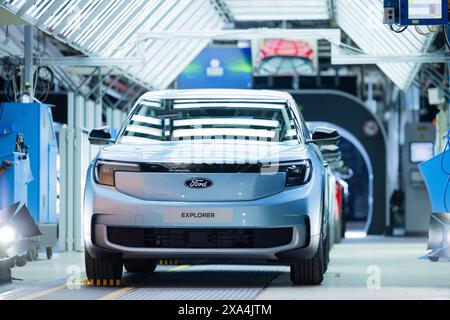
[371, 268]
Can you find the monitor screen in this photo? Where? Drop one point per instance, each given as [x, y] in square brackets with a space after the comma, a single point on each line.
[425, 9]
[421, 151]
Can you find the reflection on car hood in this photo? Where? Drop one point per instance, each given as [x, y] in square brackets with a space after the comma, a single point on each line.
[206, 151]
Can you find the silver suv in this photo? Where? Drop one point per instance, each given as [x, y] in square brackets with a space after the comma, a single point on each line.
[208, 174]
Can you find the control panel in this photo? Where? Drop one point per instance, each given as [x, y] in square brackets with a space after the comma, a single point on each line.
[416, 12]
[391, 12]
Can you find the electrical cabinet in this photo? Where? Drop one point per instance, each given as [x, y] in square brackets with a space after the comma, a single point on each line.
[418, 147]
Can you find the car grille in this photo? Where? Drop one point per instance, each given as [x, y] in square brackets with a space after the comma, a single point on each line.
[199, 238]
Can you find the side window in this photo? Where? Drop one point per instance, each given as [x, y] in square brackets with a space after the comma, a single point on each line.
[303, 127]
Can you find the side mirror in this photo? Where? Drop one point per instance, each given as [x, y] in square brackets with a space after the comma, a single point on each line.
[101, 136]
[345, 172]
[336, 165]
[331, 156]
[323, 136]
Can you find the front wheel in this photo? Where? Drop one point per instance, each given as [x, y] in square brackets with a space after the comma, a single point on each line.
[49, 252]
[21, 260]
[102, 269]
[309, 272]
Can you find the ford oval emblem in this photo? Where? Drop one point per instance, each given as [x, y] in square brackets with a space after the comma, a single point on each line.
[198, 183]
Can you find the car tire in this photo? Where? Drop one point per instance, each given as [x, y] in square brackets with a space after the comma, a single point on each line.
[141, 265]
[309, 272]
[31, 254]
[21, 260]
[102, 269]
[49, 252]
[326, 247]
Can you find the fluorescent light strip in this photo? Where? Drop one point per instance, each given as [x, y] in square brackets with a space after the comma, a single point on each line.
[137, 140]
[146, 119]
[232, 132]
[227, 121]
[221, 99]
[355, 234]
[145, 130]
[291, 133]
[228, 105]
[151, 103]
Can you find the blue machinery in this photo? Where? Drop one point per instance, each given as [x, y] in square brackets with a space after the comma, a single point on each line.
[35, 123]
[14, 178]
[436, 173]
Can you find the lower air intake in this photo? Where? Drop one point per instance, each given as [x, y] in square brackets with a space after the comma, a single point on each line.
[199, 238]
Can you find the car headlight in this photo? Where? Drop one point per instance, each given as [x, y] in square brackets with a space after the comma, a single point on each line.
[104, 171]
[8, 235]
[297, 172]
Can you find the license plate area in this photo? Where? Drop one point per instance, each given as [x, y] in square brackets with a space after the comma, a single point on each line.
[198, 215]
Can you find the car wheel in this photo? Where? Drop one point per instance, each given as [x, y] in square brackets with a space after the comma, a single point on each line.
[433, 259]
[21, 260]
[142, 265]
[31, 254]
[49, 252]
[309, 272]
[326, 247]
[36, 253]
[102, 269]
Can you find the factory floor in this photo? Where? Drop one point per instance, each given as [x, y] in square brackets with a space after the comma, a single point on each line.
[370, 268]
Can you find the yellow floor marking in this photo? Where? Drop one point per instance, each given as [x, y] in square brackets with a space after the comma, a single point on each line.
[122, 291]
[42, 293]
[115, 294]
[178, 268]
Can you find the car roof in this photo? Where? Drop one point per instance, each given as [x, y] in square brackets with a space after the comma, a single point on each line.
[218, 94]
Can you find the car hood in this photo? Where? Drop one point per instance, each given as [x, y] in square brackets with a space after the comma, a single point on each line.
[206, 151]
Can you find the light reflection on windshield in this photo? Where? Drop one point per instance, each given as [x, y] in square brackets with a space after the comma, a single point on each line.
[169, 120]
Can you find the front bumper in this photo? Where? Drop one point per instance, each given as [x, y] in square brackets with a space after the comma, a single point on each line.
[301, 246]
[295, 208]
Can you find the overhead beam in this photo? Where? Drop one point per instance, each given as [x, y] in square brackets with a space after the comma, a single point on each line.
[86, 71]
[349, 59]
[9, 18]
[246, 34]
[89, 61]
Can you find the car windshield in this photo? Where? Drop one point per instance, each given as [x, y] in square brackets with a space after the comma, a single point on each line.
[186, 119]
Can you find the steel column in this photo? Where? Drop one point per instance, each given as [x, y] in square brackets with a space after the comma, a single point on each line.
[77, 172]
[28, 72]
[70, 172]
